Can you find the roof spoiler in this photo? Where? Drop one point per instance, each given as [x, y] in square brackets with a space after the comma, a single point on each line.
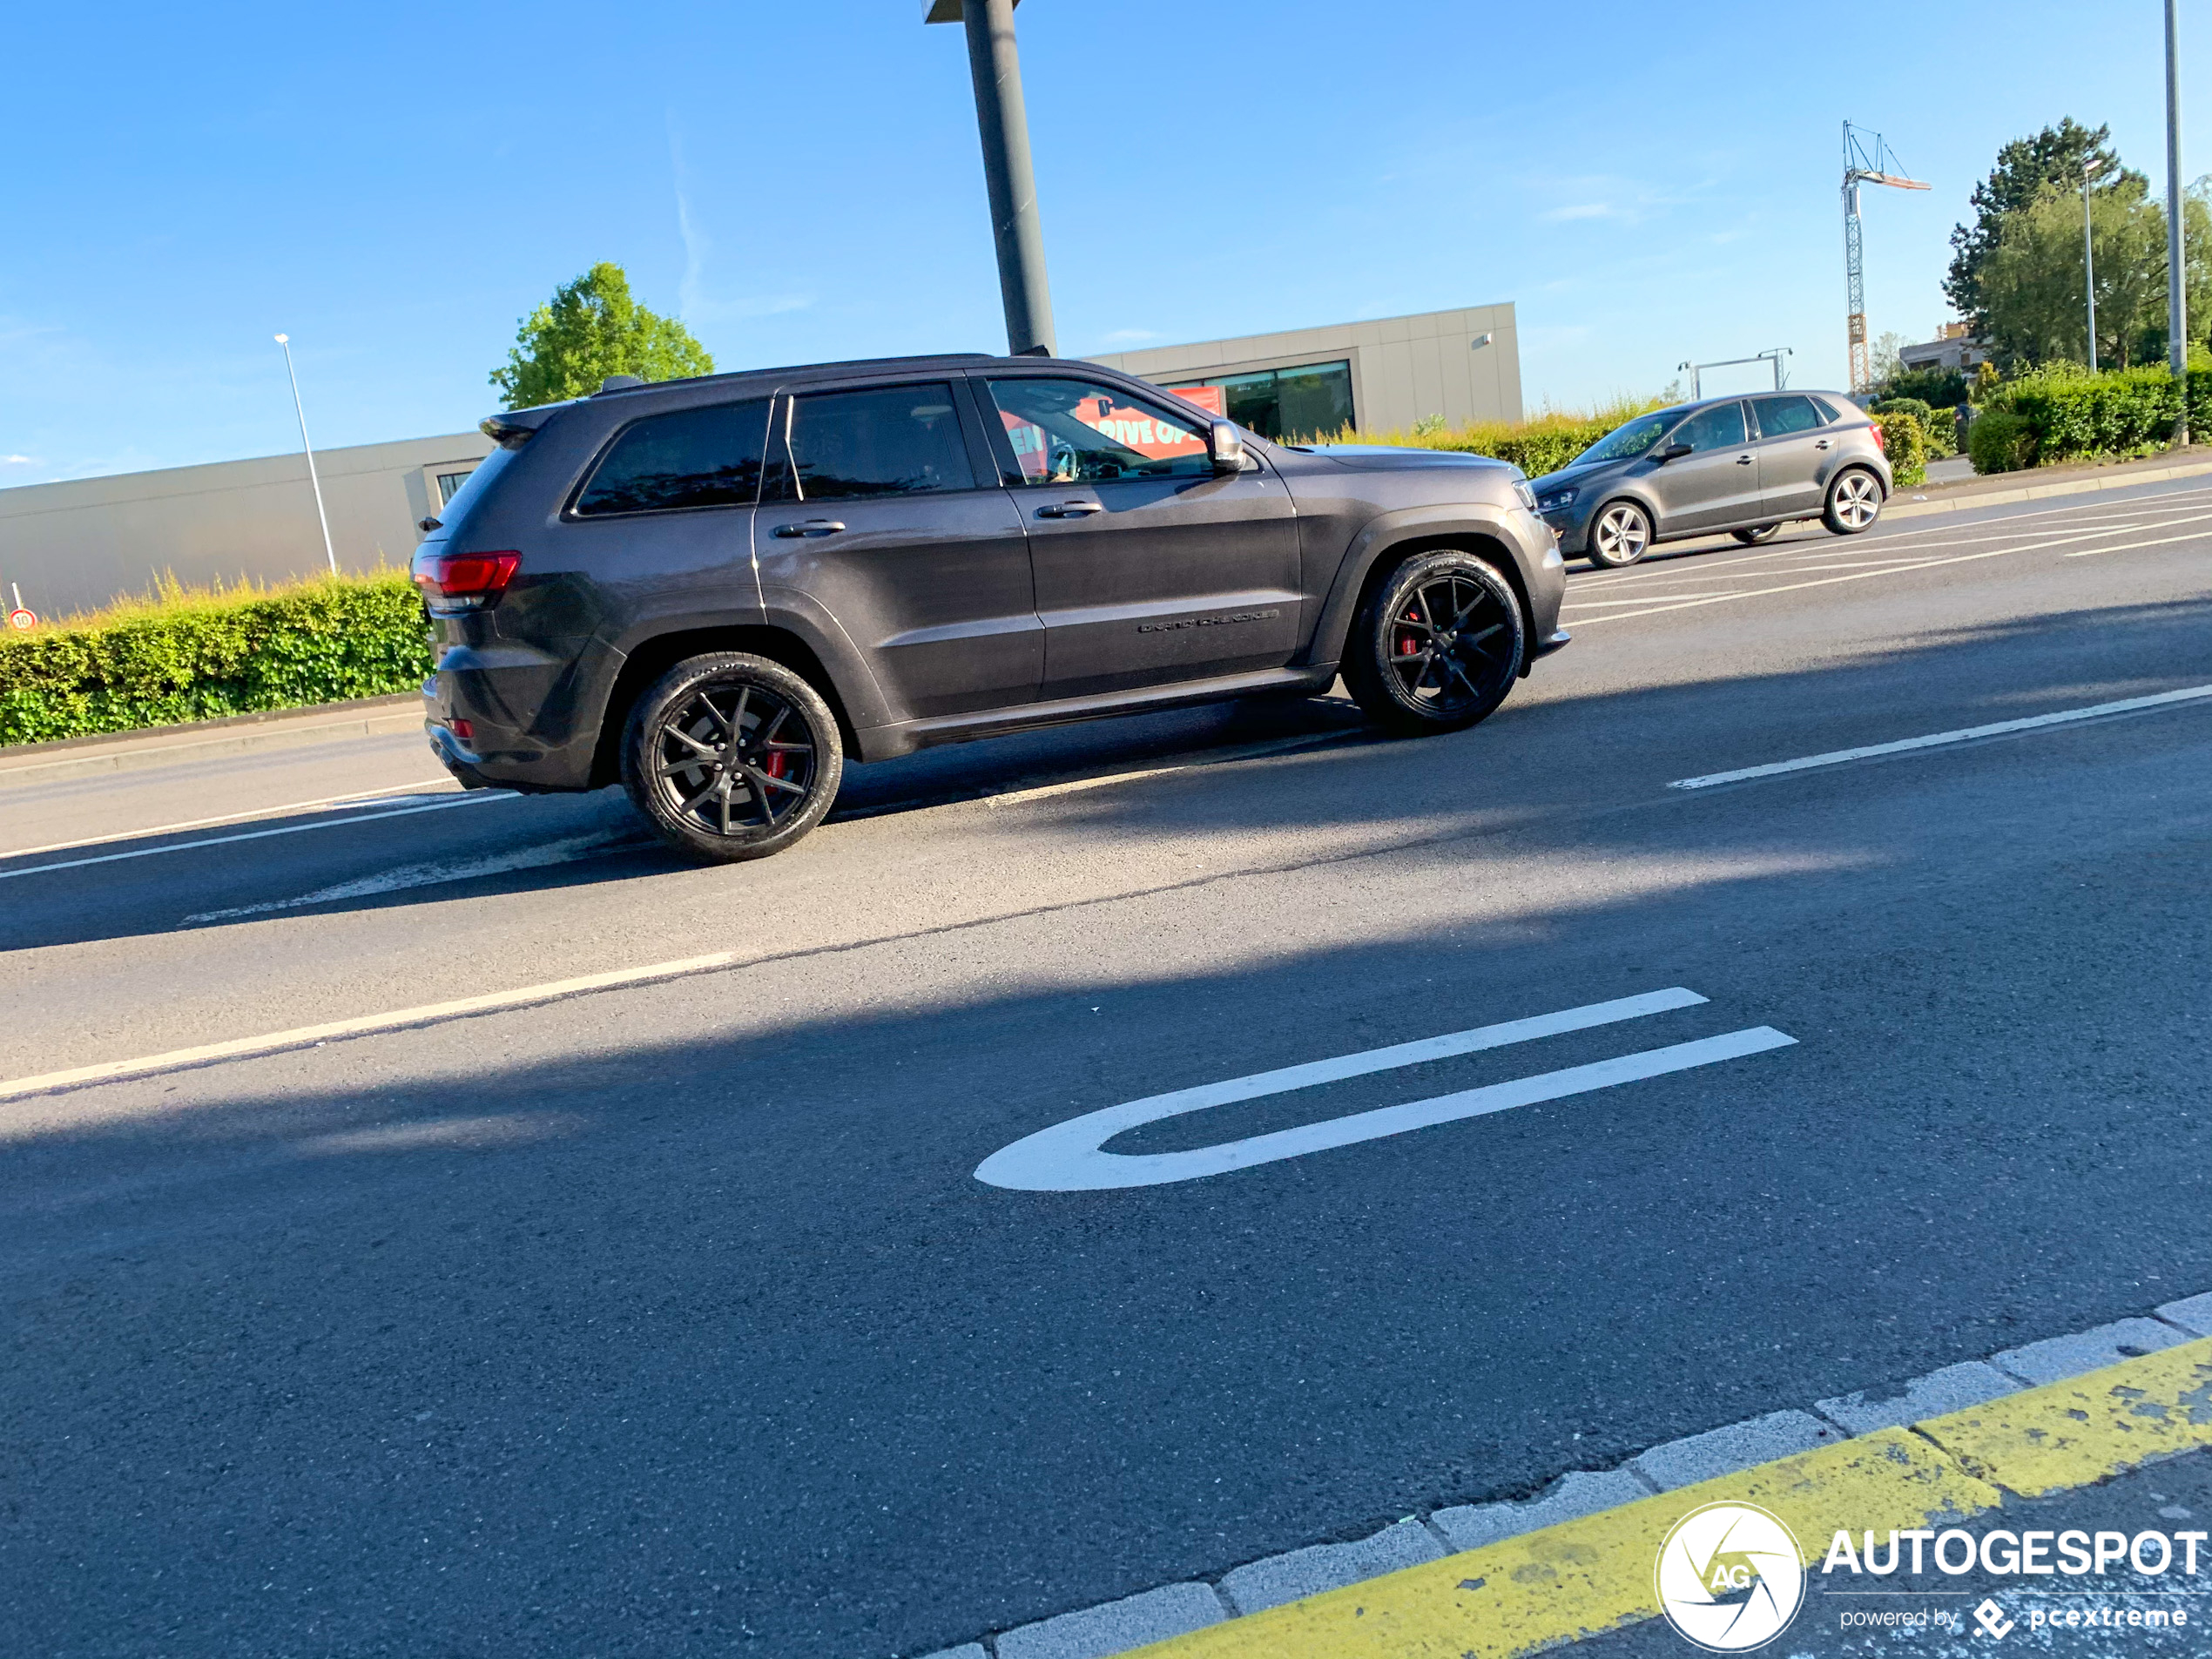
[511, 429]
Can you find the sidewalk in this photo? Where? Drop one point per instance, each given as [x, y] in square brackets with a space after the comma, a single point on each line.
[46, 763]
[2033, 485]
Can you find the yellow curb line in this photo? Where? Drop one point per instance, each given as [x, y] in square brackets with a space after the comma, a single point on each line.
[1593, 1574]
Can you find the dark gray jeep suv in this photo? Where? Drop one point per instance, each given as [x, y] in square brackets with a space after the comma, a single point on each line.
[716, 590]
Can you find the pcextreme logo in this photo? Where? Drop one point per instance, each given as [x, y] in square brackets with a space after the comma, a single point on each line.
[1730, 1577]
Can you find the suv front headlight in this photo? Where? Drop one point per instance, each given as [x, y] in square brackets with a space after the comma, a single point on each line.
[1527, 495]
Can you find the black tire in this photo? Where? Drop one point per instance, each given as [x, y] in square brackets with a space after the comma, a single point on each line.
[1854, 501]
[1446, 608]
[1620, 535]
[732, 757]
[1757, 534]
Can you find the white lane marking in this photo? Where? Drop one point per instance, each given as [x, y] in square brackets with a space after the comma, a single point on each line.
[1967, 734]
[475, 799]
[1250, 751]
[307, 1036]
[1664, 604]
[436, 874]
[1070, 1155]
[2126, 547]
[1722, 564]
[359, 797]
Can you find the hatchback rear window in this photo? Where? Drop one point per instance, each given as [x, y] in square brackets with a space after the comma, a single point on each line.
[707, 457]
[1779, 416]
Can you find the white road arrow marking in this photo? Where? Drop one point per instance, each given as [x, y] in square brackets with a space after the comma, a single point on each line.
[1070, 1156]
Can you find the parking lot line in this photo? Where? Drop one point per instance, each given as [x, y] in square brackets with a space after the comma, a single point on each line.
[474, 799]
[395, 792]
[1937, 740]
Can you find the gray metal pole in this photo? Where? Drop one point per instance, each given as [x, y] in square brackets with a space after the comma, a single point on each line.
[314, 482]
[2177, 298]
[2089, 269]
[1004, 124]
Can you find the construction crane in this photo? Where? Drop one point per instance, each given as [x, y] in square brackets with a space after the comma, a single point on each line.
[1867, 160]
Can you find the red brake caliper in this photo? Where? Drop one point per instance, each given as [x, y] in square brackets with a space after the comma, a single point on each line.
[1406, 645]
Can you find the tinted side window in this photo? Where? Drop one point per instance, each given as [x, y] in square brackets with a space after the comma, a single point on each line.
[706, 457]
[889, 440]
[1779, 416]
[1828, 414]
[1719, 428]
[1067, 432]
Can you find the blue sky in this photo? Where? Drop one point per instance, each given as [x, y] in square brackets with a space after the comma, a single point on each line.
[396, 185]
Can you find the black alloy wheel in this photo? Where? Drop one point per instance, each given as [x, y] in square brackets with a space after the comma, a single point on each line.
[1757, 534]
[1438, 645]
[732, 757]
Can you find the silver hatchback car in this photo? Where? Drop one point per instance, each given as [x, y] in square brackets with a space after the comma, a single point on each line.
[1742, 465]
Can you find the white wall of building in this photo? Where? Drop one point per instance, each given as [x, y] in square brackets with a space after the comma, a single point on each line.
[74, 545]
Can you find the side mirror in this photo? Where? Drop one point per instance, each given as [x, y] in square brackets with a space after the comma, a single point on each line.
[1676, 452]
[1227, 447]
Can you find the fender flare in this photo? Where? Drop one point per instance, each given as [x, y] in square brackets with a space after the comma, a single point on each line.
[1387, 531]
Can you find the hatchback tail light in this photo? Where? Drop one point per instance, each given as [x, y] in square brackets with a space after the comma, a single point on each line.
[1880, 443]
[452, 582]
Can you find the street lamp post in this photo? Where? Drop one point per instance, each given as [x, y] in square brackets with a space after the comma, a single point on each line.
[2177, 304]
[1003, 124]
[2089, 261]
[313, 483]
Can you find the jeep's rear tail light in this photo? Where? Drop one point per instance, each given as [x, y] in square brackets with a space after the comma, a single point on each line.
[454, 581]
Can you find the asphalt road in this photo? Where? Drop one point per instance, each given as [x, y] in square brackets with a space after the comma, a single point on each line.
[673, 1320]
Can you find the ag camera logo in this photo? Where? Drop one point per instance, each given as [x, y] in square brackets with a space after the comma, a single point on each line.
[1730, 1577]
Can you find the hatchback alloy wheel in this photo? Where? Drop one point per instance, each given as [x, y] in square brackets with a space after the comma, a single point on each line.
[1854, 501]
[1620, 535]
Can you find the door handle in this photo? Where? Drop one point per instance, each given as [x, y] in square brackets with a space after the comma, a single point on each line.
[1743, 461]
[1071, 510]
[1823, 444]
[812, 527]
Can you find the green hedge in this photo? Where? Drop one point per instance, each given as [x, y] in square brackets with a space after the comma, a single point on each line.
[1905, 442]
[1997, 442]
[324, 642]
[1544, 444]
[2067, 413]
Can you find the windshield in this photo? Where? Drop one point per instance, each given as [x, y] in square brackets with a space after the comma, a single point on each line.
[1630, 439]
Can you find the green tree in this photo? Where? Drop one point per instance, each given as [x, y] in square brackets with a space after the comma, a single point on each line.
[2031, 283]
[2025, 167]
[592, 330]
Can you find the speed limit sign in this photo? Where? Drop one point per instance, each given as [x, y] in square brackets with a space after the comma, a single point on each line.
[21, 620]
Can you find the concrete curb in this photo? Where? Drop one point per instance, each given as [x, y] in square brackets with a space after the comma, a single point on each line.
[1908, 506]
[170, 745]
[1174, 1610]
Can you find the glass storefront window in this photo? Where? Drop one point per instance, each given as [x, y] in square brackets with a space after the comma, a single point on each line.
[1313, 400]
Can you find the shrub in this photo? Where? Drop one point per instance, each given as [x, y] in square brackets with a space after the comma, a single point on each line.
[1542, 444]
[2074, 415]
[2000, 441]
[202, 656]
[1939, 388]
[1905, 441]
[1913, 406]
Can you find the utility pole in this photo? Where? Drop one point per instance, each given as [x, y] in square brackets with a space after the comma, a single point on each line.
[2177, 300]
[2089, 262]
[1867, 166]
[313, 483]
[1003, 124]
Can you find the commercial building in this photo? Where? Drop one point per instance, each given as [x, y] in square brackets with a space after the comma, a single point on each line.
[73, 545]
[1953, 347]
[1379, 377]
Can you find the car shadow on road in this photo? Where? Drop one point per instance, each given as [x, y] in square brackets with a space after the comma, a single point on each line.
[1544, 751]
